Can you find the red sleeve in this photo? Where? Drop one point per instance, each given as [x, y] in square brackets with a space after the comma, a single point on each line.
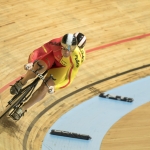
[50, 53]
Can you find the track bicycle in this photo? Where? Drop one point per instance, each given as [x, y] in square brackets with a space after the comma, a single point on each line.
[24, 94]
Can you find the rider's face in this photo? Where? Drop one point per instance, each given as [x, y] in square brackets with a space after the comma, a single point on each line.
[65, 53]
[67, 49]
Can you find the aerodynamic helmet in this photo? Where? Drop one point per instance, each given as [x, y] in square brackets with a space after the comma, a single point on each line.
[69, 42]
[81, 39]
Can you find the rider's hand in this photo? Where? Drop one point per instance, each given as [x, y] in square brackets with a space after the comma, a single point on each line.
[28, 66]
[51, 89]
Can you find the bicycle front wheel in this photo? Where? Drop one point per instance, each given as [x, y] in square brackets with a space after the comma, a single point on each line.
[16, 100]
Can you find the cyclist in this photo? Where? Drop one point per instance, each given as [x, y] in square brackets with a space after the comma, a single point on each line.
[62, 57]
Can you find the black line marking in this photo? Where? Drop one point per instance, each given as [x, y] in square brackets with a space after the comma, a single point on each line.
[70, 94]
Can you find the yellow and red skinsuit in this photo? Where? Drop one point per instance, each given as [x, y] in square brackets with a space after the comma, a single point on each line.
[64, 69]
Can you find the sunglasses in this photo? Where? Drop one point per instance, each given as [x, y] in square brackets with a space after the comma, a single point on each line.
[65, 49]
[70, 49]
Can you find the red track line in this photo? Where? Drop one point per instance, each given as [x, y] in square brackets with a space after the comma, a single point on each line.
[119, 42]
[88, 51]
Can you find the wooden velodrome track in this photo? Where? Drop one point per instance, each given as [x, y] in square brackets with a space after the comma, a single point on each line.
[118, 35]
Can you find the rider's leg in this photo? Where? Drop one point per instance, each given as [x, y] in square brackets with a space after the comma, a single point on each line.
[29, 75]
[38, 95]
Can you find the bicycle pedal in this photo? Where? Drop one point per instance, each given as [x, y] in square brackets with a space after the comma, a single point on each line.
[15, 116]
[12, 117]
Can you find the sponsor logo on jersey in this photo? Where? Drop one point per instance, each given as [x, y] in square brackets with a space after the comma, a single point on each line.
[77, 61]
[64, 63]
[82, 53]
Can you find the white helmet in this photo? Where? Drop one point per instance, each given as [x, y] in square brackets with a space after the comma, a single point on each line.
[81, 39]
[69, 42]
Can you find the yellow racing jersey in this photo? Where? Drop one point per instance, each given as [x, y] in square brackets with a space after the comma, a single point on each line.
[65, 75]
